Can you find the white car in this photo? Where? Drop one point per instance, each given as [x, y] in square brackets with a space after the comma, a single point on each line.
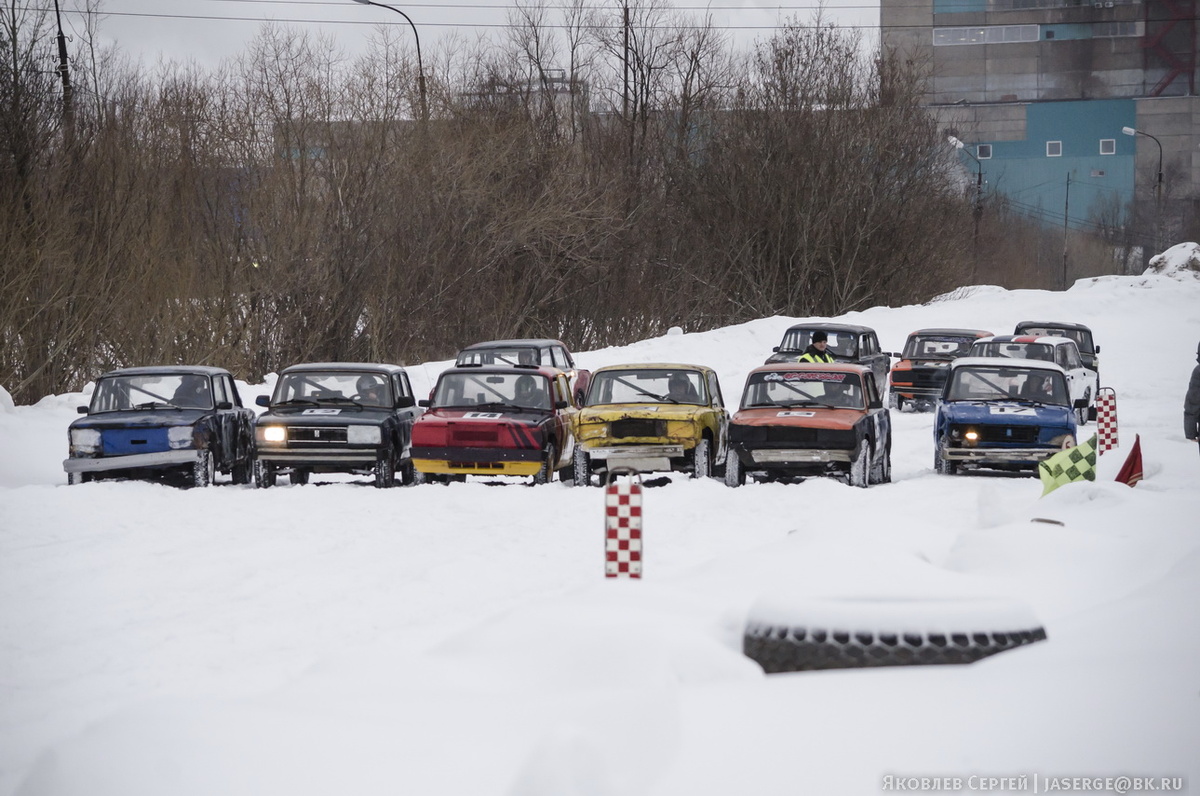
[1062, 351]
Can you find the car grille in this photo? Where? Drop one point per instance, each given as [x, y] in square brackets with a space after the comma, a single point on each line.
[1006, 434]
[637, 427]
[474, 436]
[317, 435]
[928, 378]
[791, 437]
[124, 441]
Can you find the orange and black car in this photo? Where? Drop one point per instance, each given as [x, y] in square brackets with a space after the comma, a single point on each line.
[803, 420]
[918, 378]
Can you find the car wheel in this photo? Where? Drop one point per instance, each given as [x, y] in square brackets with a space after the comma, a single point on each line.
[546, 473]
[860, 467]
[204, 469]
[943, 465]
[702, 459]
[243, 471]
[408, 473]
[264, 474]
[385, 471]
[74, 478]
[734, 474]
[583, 466]
[1083, 413]
[881, 472]
[298, 477]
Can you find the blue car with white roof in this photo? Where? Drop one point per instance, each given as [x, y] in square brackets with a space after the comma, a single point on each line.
[1002, 414]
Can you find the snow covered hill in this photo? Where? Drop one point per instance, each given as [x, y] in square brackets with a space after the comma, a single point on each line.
[336, 638]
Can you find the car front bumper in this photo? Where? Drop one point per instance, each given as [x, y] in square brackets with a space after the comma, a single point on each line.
[347, 457]
[999, 455]
[133, 461]
[478, 461]
[640, 457]
[787, 456]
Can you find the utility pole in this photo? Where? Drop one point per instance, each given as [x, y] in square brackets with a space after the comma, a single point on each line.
[1066, 217]
[64, 72]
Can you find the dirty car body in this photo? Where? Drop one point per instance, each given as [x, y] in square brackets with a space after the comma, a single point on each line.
[653, 418]
[806, 419]
[182, 424]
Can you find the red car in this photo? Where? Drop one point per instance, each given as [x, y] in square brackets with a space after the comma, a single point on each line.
[496, 421]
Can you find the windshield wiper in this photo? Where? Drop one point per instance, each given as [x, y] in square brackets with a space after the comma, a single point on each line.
[499, 405]
[293, 401]
[155, 405]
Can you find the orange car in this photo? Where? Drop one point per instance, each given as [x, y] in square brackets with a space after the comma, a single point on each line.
[918, 378]
[800, 420]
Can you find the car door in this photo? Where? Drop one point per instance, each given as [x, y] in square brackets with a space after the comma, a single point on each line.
[872, 357]
[404, 416]
[243, 421]
[717, 403]
[879, 418]
[564, 419]
[1082, 380]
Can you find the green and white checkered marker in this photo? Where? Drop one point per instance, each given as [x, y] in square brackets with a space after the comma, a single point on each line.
[1073, 464]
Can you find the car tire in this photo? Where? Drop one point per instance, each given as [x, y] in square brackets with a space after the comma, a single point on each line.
[74, 479]
[1084, 413]
[583, 466]
[407, 474]
[385, 470]
[243, 471]
[702, 459]
[264, 474]
[734, 474]
[943, 465]
[860, 467]
[783, 648]
[881, 473]
[545, 473]
[204, 469]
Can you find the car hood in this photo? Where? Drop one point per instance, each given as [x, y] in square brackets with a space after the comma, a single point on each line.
[1011, 413]
[463, 415]
[156, 418]
[607, 413]
[801, 417]
[324, 416]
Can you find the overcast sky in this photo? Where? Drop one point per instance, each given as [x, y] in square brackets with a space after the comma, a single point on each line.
[208, 31]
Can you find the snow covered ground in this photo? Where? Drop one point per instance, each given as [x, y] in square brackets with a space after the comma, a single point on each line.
[462, 640]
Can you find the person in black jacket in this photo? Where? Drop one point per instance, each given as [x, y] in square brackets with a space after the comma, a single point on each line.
[816, 350]
[1191, 404]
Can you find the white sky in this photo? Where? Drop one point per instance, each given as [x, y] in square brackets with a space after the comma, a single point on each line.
[209, 30]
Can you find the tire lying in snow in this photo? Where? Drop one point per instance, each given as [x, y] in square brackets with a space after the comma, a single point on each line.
[855, 633]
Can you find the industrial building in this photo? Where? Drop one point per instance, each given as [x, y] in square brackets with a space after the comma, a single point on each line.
[1067, 109]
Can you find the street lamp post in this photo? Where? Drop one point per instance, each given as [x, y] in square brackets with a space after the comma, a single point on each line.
[978, 211]
[420, 66]
[1157, 188]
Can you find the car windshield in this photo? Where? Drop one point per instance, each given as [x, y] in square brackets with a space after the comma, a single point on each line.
[465, 388]
[316, 387]
[804, 388]
[1042, 351]
[841, 344]
[514, 355]
[981, 383]
[646, 386]
[936, 346]
[152, 391]
[1082, 337]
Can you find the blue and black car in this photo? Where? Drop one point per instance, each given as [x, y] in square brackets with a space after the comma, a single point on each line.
[181, 424]
[1002, 414]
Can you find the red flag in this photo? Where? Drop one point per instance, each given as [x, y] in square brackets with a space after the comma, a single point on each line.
[1131, 470]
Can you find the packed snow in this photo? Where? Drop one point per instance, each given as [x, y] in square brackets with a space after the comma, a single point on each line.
[462, 639]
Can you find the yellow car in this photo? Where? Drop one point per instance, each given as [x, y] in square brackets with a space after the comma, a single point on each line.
[652, 418]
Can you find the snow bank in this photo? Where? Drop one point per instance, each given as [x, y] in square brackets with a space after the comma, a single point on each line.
[1181, 262]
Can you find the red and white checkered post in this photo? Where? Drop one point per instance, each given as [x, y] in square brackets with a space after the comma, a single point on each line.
[623, 526]
[1106, 419]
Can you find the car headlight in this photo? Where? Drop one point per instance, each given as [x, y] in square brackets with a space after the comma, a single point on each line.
[971, 435]
[179, 436]
[363, 435]
[85, 440]
[273, 434]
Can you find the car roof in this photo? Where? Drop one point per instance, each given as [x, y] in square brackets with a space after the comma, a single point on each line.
[530, 342]
[831, 327]
[791, 367]
[347, 366]
[1027, 338]
[1008, 362]
[654, 366]
[1054, 324]
[151, 370]
[961, 332]
[540, 370]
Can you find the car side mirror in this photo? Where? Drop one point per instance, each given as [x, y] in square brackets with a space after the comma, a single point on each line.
[893, 354]
[875, 405]
[424, 402]
[561, 404]
[405, 401]
[263, 400]
[224, 405]
[83, 410]
[1097, 349]
[775, 350]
